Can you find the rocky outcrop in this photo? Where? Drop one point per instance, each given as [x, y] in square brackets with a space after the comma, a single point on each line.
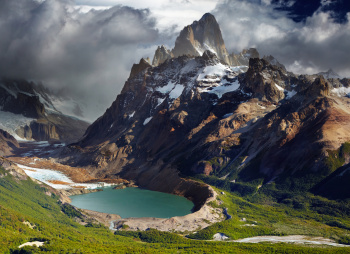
[320, 87]
[7, 143]
[40, 131]
[161, 55]
[35, 116]
[266, 81]
[243, 57]
[27, 105]
[53, 128]
[137, 68]
[202, 35]
[12, 169]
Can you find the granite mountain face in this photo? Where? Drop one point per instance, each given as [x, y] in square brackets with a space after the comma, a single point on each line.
[197, 110]
[202, 35]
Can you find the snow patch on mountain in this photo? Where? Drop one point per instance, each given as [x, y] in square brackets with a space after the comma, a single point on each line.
[48, 176]
[227, 115]
[160, 101]
[279, 88]
[223, 88]
[147, 120]
[11, 122]
[341, 91]
[167, 88]
[290, 94]
[132, 114]
[216, 71]
[219, 79]
[176, 92]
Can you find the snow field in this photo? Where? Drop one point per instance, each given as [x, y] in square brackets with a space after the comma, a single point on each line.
[47, 175]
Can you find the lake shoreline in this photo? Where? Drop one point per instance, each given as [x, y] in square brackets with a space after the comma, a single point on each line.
[199, 219]
[200, 194]
[202, 218]
[134, 202]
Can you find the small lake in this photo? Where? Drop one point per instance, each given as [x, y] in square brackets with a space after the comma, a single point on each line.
[134, 202]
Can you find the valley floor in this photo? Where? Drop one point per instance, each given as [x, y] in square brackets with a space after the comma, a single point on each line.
[30, 212]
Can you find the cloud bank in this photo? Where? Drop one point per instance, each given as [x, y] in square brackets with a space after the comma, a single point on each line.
[87, 55]
[316, 43]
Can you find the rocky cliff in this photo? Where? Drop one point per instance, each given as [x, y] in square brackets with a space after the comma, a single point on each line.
[27, 111]
[161, 55]
[200, 36]
[7, 143]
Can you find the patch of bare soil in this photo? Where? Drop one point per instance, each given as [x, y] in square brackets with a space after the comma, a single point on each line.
[103, 218]
[298, 239]
[58, 182]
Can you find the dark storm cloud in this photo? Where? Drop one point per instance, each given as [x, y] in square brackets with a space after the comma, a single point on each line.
[88, 55]
[309, 46]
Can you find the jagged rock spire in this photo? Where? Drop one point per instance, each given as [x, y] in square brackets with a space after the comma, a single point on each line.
[162, 54]
[137, 68]
[202, 35]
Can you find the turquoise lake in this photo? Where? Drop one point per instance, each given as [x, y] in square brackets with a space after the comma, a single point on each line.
[134, 202]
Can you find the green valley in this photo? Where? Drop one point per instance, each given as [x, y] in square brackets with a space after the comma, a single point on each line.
[31, 212]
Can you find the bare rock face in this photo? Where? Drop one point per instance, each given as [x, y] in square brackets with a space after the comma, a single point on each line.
[161, 55]
[243, 57]
[320, 87]
[7, 143]
[29, 106]
[202, 35]
[34, 102]
[264, 81]
[141, 66]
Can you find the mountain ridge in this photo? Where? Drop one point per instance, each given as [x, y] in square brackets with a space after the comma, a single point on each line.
[197, 115]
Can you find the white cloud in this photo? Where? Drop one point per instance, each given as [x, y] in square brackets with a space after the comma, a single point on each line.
[168, 13]
[90, 54]
[87, 47]
[312, 46]
[87, 55]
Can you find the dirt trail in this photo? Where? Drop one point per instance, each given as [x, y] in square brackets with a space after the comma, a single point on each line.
[299, 239]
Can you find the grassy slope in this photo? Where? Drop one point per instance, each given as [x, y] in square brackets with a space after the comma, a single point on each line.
[299, 216]
[26, 201]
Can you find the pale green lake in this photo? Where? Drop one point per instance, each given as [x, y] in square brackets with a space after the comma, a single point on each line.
[134, 202]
